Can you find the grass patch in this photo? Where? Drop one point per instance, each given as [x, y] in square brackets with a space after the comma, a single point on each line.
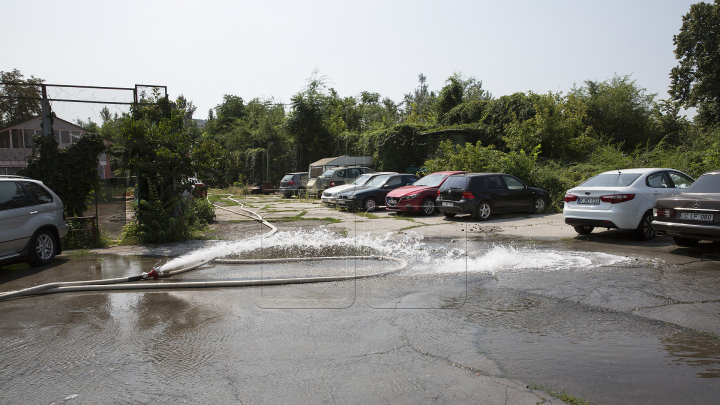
[561, 395]
[403, 217]
[368, 215]
[411, 227]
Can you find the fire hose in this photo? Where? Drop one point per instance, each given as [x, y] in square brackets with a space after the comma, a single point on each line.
[136, 282]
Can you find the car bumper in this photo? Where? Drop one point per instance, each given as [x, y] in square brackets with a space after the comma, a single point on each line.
[329, 200]
[693, 231]
[346, 203]
[403, 205]
[457, 207]
[610, 218]
[287, 192]
[63, 230]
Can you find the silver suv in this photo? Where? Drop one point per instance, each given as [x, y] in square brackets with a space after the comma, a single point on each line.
[31, 221]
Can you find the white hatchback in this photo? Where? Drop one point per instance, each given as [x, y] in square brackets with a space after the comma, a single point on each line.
[31, 221]
[621, 199]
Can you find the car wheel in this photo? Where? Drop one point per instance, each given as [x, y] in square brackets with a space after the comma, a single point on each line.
[300, 191]
[584, 229]
[369, 204]
[427, 207]
[685, 242]
[483, 211]
[449, 214]
[539, 205]
[645, 229]
[42, 248]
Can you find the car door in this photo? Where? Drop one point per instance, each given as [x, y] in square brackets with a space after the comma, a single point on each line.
[660, 186]
[391, 184]
[495, 188]
[521, 198]
[20, 216]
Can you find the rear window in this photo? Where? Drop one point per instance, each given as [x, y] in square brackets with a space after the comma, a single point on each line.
[39, 192]
[612, 180]
[456, 182]
[328, 173]
[287, 177]
[707, 183]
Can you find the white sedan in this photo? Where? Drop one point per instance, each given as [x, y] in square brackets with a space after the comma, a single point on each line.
[621, 199]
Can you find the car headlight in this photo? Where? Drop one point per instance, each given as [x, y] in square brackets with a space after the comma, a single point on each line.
[411, 196]
[351, 197]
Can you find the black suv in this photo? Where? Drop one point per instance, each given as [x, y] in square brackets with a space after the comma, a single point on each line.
[482, 194]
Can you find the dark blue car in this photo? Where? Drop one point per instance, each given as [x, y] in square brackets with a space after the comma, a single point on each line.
[372, 194]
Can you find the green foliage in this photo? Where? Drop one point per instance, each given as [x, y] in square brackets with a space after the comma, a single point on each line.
[71, 173]
[402, 146]
[158, 144]
[20, 102]
[618, 108]
[696, 80]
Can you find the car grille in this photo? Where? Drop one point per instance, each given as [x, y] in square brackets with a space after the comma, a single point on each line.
[326, 194]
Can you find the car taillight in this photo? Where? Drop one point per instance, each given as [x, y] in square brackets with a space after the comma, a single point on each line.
[663, 213]
[438, 193]
[468, 195]
[570, 198]
[617, 198]
[332, 184]
[291, 183]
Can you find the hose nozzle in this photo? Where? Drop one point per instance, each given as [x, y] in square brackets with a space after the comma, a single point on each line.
[153, 273]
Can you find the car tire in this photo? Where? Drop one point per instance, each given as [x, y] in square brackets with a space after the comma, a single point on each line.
[539, 205]
[685, 242]
[449, 214]
[299, 191]
[42, 248]
[369, 204]
[645, 230]
[584, 229]
[427, 207]
[483, 211]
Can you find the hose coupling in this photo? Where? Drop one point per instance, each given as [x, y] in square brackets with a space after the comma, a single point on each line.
[153, 273]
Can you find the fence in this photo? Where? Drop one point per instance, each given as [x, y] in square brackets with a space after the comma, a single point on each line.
[112, 205]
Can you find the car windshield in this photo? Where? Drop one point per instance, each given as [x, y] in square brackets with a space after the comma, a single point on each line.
[328, 173]
[612, 180]
[377, 181]
[707, 183]
[362, 179]
[432, 180]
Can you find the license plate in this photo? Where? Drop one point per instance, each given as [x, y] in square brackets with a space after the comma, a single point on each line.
[341, 202]
[447, 204]
[696, 217]
[589, 201]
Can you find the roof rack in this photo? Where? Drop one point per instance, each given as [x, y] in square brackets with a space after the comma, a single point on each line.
[13, 176]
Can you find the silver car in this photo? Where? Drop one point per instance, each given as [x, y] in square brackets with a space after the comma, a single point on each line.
[31, 221]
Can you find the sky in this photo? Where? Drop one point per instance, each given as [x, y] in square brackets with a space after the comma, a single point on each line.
[270, 48]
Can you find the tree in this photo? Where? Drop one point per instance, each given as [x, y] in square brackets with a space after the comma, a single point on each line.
[695, 82]
[18, 102]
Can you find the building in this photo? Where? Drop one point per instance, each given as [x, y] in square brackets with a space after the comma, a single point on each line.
[16, 143]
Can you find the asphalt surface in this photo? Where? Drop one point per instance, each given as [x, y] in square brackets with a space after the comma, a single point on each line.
[503, 311]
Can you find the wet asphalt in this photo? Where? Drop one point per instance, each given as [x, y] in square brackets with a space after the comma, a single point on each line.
[641, 328]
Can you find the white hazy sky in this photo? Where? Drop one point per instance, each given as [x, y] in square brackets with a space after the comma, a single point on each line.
[268, 48]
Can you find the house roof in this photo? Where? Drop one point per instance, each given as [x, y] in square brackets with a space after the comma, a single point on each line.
[39, 118]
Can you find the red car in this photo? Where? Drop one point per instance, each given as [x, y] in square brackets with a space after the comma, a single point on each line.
[419, 197]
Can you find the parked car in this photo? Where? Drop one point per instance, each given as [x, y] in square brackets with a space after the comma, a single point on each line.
[337, 176]
[31, 221]
[293, 183]
[372, 194]
[621, 199]
[420, 196]
[483, 194]
[692, 215]
[329, 196]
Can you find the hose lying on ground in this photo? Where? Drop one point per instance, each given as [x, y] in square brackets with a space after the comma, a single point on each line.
[116, 283]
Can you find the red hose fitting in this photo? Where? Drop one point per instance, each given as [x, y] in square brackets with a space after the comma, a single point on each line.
[153, 273]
